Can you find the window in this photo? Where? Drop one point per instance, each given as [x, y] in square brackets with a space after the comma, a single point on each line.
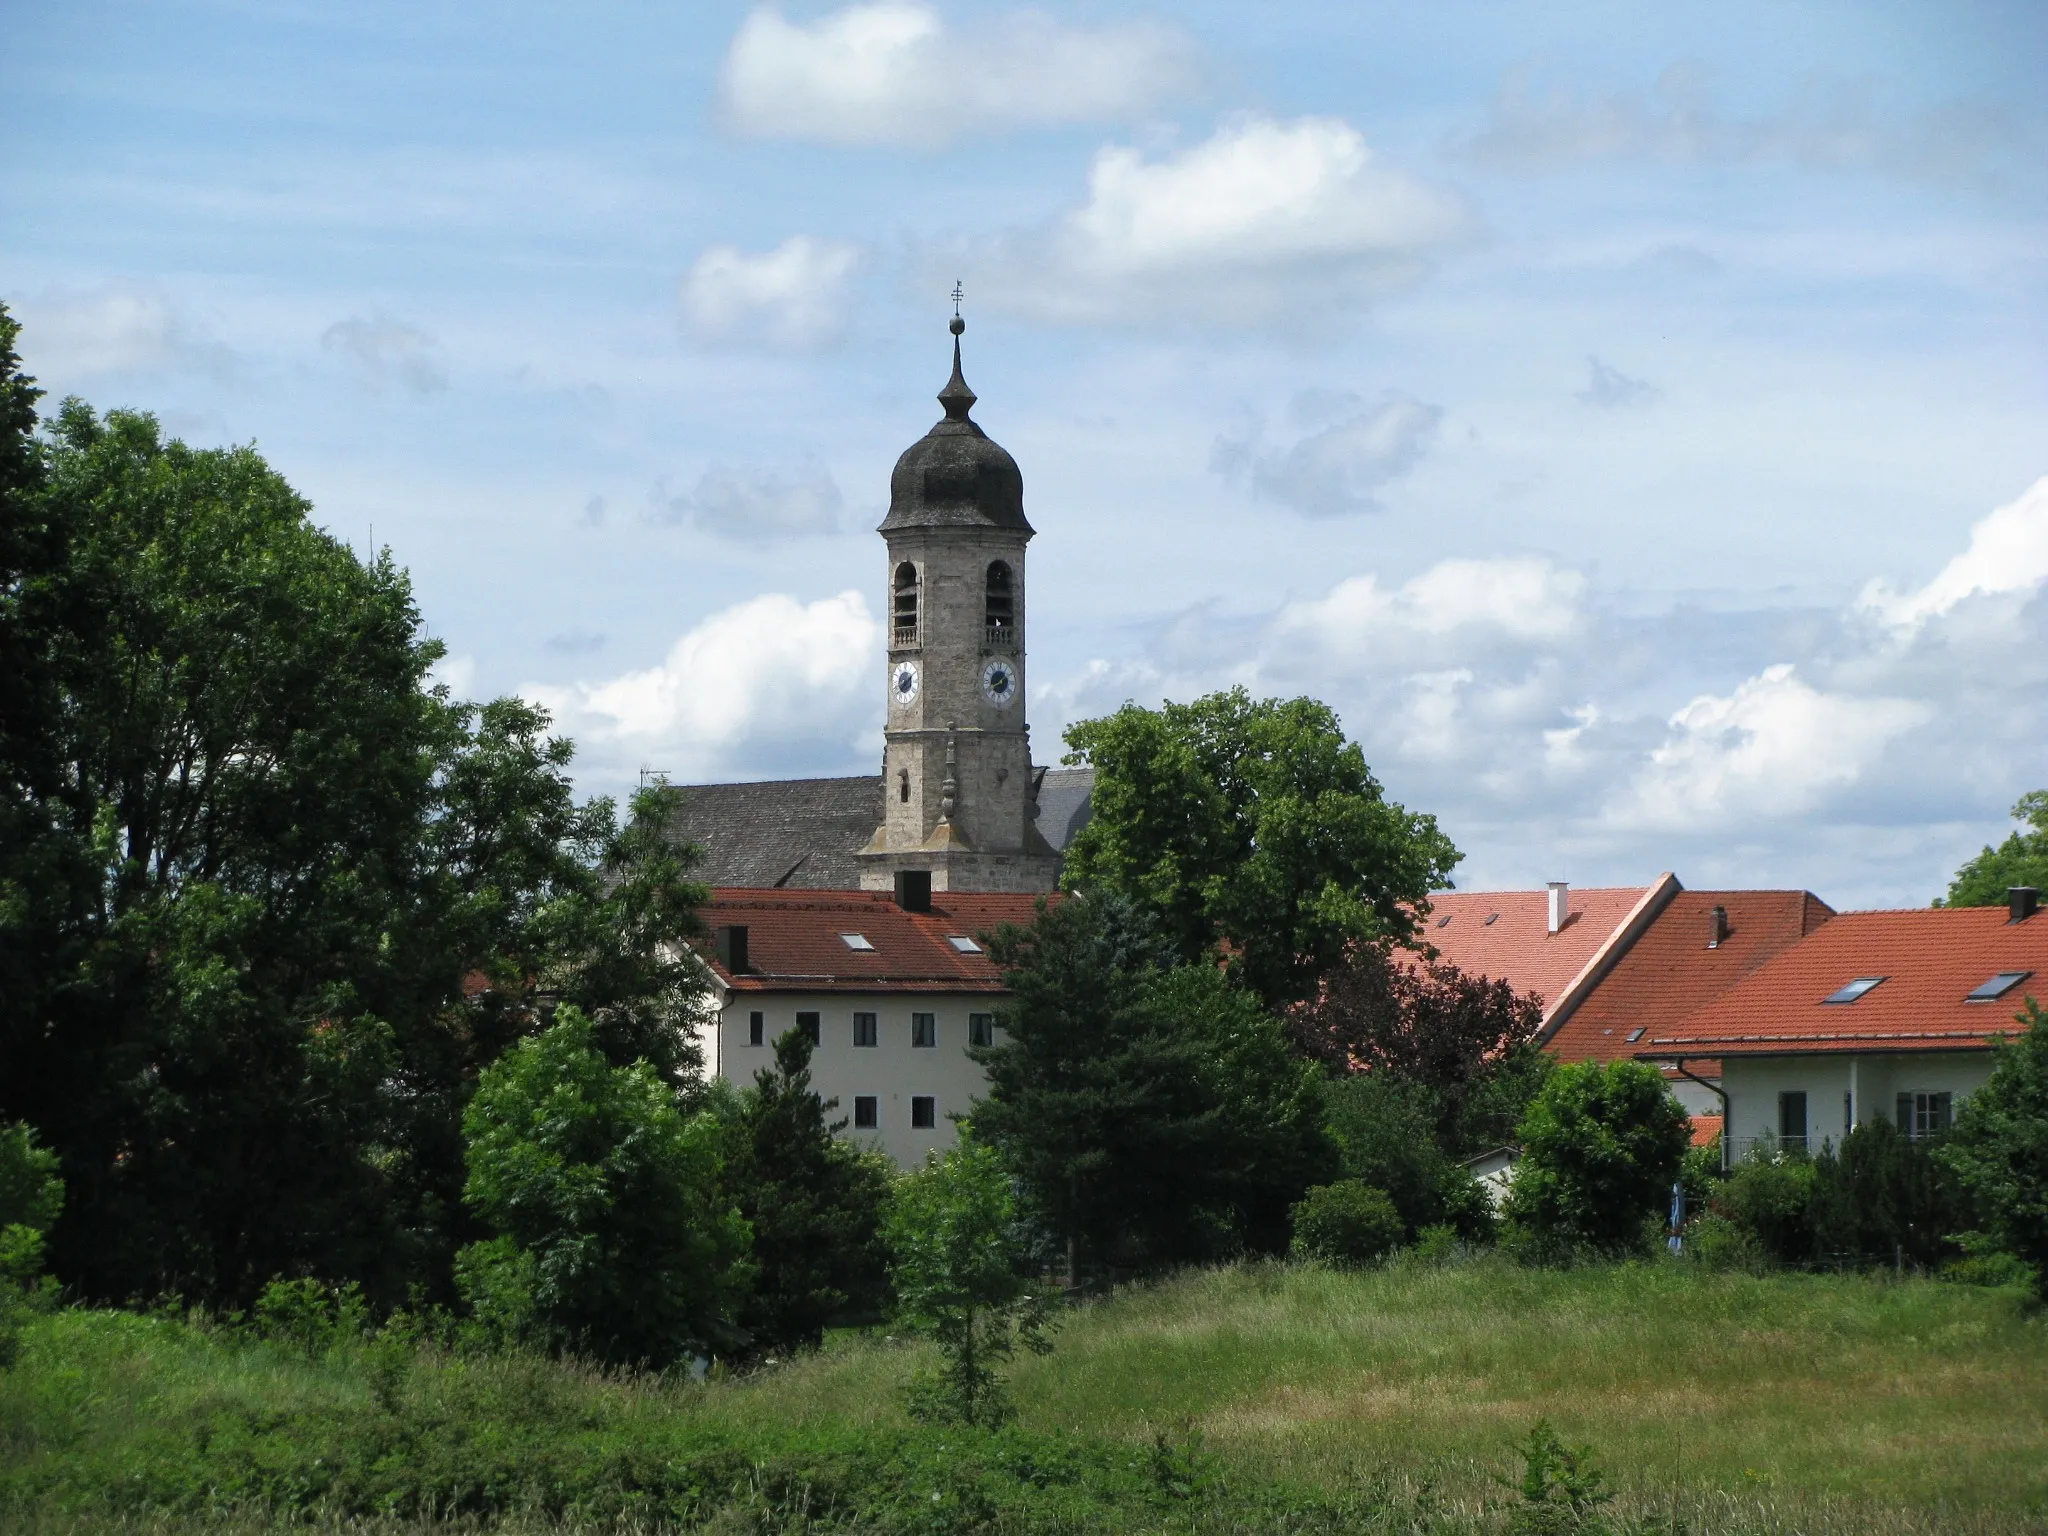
[981, 1029]
[924, 1029]
[757, 1028]
[1443, 922]
[924, 1112]
[865, 1116]
[1792, 1119]
[1000, 610]
[857, 941]
[906, 604]
[1635, 1034]
[1491, 919]
[964, 944]
[903, 785]
[864, 1032]
[1925, 1114]
[1853, 990]
[1997, 986]
[808, 1023]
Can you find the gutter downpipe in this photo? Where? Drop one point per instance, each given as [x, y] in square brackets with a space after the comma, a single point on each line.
[1718, 1092]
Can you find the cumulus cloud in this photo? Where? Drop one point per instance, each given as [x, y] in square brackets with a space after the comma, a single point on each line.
[385, 352]
[1264, 224]
[756, 503]
[767, 683]
[1831, 125]
[898, 73]
[1610, 388]
[1771, 748]
[791, 297]
[117, 329]
[1340, 468]
[2008, 553]
[1525, 599]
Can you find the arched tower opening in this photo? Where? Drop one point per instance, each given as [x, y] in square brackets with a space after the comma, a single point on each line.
[999, 610]
[906, 604]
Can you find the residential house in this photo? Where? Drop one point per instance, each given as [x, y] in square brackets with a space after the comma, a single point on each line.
[1873, 1015]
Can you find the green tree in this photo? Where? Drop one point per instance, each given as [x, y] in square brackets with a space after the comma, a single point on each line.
[1252, 827]
[1999, 1148]
[1882, 1197]
[1600, 1149]
[31, 1195]
[814, 1204]
[1150, 1111]
[613, 1237]
[1386, 1131]
[2022, 859]
[958, 1274]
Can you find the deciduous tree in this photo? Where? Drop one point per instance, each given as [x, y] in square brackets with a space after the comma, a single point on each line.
[1600, 1149]
[2022, 859]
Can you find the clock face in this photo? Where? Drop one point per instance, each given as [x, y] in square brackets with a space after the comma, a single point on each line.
[999, 682]
[903, 682]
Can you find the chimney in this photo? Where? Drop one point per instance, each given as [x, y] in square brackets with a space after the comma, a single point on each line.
[914, 890]
[731, 941]
[1718, 927]
[1560, 904]
[2023, 901]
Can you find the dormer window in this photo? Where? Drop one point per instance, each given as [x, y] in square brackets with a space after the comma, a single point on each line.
[1000, 606]
[906, 604]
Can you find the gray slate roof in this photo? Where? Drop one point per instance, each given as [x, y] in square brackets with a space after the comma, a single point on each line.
[802, 834]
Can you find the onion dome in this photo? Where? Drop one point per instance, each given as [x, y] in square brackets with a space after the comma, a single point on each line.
[954, 476]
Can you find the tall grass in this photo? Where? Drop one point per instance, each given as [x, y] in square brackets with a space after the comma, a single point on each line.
[1263, 1397]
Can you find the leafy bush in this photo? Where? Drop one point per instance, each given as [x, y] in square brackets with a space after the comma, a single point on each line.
[2000, 1145]
[1348, 1222]
[1561, 1487]
[1601, 1147]
[1983, 1262]
[31, 1197]
[1769, 1196]
[1882, 1197]
[612, 1237]
[1717, 1242]
[958, 1278]
[1386, 1130]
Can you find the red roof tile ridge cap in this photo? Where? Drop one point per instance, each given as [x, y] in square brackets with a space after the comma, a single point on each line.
[1655, 897]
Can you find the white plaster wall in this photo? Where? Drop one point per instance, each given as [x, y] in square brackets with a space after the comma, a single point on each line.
[893, 1070]
[1754, 1083]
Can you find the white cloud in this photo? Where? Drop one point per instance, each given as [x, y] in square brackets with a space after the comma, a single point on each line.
[792, 296]
[1770, 748]
[1524, 599]
[757, 503]
[383, 351]
[751, 687]
[1341, 468]
[1832, 125]
[897, 73]
[2008, 553]
[1265, 223]
[114, 329]
[1610, 388]
[455, 673]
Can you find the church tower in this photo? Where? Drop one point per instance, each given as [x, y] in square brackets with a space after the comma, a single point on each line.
[959, 792]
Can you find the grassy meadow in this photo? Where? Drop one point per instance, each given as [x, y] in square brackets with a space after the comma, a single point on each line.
[1288, 1398]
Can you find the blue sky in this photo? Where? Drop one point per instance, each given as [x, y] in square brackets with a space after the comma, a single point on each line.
[1633, 419]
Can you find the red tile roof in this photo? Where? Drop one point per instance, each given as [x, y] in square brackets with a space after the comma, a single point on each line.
[1704, 1129]
[1931, 960]
[794, 941]
[1505, 934]
[1669, 972]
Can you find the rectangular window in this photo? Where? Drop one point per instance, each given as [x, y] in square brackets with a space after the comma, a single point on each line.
[924, 1029]
[1792, 1119]
[924, 1112]
[757, 1028]
[1925, 1114]
[864, 1029]
[808, 1023]
[981, 1029]
[865, 1117]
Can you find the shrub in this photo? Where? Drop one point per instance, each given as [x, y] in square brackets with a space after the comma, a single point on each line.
[1882, 1197]
[1348, 1222]
[1601, 1147]
[612, 1238]
[1385, 1127]
[1769, 1197]
[1716, 1242]
[31, 1196]
[2000, 1146]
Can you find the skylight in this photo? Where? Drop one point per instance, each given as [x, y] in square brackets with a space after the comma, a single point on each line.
[1854, 990]
[1997, 986]
[855, 941]
[1492, 918]
[964, 944]
[1635, 1034]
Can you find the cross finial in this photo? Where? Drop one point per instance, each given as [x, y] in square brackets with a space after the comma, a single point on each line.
[958, 295]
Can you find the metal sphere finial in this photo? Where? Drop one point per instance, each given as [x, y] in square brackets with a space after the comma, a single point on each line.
[956, 325]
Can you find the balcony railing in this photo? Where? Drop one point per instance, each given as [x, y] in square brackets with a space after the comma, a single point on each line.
[905, 637]
[999, 637]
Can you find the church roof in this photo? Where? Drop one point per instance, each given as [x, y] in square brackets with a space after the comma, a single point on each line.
[802, 834]
[797, 941]
[954, 476]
